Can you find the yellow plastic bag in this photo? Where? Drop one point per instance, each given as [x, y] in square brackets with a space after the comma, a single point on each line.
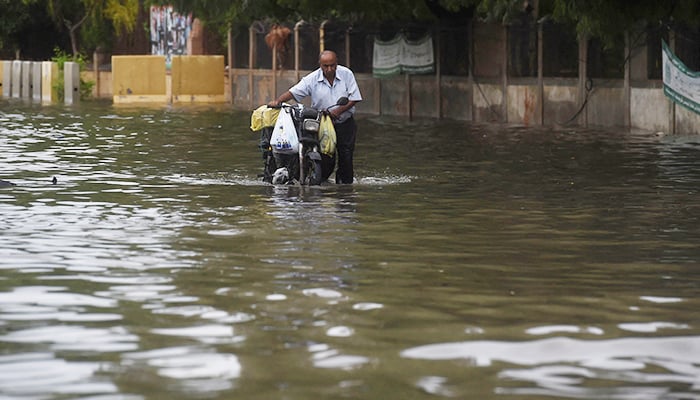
[270, 117]
[263, 117]
[326, 136]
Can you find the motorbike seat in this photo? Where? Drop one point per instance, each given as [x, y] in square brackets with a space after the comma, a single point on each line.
[308, 141]
[309, 113]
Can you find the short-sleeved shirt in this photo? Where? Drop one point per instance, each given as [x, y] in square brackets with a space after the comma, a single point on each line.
[323, 95]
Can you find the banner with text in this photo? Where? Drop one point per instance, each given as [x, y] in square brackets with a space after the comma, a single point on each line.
[680, 84]
[400, 55]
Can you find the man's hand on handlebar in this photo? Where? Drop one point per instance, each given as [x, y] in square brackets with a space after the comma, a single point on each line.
[277, 103]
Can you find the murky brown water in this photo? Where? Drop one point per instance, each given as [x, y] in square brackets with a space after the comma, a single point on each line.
[471, 262]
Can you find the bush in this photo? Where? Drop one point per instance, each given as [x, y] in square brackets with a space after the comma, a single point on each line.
[61, 57]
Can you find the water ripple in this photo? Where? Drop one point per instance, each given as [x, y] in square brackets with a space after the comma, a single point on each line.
[190, 363]
[559, 366]
[36, 374]
[160, 266]
[72, 338]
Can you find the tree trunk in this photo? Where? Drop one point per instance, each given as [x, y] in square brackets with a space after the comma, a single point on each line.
[73, 40]
[73, 32]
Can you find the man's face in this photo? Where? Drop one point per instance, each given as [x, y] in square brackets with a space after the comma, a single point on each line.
[328, 65]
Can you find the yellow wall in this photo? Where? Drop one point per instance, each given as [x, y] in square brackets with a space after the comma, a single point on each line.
[198, 79]
[138, 79]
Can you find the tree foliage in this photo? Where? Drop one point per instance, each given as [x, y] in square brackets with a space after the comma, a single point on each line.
[245, 12]
[122, 14]
[609, 20]
[97, 21]
[13, 16]
[94, 20]
[602, 19]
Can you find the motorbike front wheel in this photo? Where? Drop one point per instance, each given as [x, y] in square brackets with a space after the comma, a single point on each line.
[270, 166]
[314, 171]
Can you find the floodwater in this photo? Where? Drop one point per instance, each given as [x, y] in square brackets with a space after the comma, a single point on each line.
[468, 262]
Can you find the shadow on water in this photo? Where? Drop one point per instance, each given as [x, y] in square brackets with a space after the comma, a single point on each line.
[468, 261]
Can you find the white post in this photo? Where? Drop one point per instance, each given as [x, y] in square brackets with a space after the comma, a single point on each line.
[229, 40]
[6, 78]
[71, 82]
[36, 80]
[49, 72]
[297, 47]
[26, 80]
[16, 78]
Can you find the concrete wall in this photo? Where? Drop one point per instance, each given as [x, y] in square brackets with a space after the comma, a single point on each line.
[460, 98]
[606, 105]
[686, 121]
[425, 96]
[103, 83]
[393, 96]
[138, 79]
[523, 104]
[650, 109]
[135, 79]
[197, 79]
[371, 90]
[561, 102]
[252, 88]
[456, 95]
[487, 103]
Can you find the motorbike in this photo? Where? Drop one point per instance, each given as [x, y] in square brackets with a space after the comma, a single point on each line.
[296, 157]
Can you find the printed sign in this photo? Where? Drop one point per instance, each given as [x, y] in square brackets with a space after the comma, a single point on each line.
[401, 55]
[169, 32]
[680, 84]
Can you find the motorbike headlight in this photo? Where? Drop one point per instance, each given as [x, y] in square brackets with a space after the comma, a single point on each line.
[311, 125]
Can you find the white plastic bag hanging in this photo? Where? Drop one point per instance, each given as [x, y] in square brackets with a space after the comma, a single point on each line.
[284, 137]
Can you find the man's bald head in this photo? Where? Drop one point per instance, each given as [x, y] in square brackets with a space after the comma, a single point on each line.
[328, 61]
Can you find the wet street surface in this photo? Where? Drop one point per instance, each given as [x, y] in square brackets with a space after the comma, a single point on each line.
[467, 261]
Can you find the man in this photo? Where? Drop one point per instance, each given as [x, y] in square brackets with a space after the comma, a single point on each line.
[325, 86]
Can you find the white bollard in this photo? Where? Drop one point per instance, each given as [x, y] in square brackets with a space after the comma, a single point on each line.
[71, 82]
[36, 80]
[6, 78]
[26, 79]
[16, 78]
[49, 74]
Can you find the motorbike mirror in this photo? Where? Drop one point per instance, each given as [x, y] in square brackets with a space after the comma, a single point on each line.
[342, 101]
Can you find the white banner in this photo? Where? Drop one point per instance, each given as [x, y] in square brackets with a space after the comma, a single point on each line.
[401, 55]
[386, 57]
[680, 84]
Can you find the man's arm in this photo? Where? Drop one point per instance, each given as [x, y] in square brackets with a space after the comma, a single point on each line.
[338, 111]
[286, 96]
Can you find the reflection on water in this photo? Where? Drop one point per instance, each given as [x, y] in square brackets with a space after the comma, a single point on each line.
[467, 261]
[560, 366]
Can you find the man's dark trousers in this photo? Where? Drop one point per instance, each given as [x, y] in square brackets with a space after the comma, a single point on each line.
[345, 135]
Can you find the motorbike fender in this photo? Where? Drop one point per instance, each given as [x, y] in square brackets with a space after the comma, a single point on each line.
[314, 155]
